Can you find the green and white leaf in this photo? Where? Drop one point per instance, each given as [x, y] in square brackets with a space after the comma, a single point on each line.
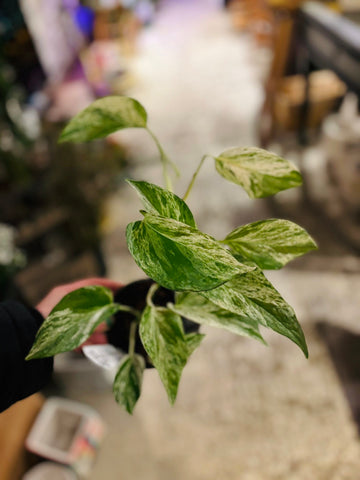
[163, 337]
[199, 309]
[73, 320]
[271, 244]
[103, 117]
[128, 381]
[193, 340]
[158, 201]
[180, 257]
[259, 172]
[251, 295]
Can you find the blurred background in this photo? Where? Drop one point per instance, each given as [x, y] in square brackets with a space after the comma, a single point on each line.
[280, 74]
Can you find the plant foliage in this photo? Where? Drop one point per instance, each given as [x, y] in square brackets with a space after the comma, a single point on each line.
[219, 283]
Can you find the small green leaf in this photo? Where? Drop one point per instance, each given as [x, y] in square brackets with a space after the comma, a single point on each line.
[158, 201]
[104, 116]
[253, 296]
[258, 171]
[73, 320]
[193, 340]
[199, 309]
[128, 380]
[271, 244]
[162, 335]
[178, 256]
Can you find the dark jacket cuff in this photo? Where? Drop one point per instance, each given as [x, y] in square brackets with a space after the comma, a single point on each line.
[20, 378]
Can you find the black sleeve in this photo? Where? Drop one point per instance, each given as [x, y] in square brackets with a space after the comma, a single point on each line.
[19, 378]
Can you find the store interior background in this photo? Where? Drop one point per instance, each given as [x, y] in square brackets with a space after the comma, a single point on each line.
[211, 75]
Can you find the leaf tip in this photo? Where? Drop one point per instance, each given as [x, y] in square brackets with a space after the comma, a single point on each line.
[62, 138]
[263, 341]
[129, 408]
[33, 355]
[314, 245]
[301, 342]
[172, 393]
[66, 136]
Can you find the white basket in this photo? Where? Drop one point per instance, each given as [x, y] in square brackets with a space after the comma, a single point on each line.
[66, 432]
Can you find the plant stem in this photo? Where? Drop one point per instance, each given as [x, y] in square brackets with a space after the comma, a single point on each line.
[194, 177]
[165, 160]
[126, 308]
[132, 337]
[150, 294]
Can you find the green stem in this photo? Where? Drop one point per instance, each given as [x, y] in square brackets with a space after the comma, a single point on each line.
[194, 177]
[126, 308]
[165, 160]
[132, 338]
[151, 293]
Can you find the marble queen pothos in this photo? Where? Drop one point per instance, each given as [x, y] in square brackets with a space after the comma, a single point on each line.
[215, 282]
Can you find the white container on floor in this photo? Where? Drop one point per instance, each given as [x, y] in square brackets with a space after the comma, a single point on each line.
[67, 432]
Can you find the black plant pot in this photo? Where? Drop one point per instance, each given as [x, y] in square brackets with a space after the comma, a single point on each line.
[134, 295]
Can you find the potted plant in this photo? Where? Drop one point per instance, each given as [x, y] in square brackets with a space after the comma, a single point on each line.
[213, 282]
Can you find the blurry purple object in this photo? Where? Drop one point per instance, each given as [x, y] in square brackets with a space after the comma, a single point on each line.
[84, 18]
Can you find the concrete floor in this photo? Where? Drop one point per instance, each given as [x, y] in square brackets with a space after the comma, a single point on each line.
[244, 411]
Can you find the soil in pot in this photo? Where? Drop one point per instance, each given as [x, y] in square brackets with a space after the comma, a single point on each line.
[134, 295]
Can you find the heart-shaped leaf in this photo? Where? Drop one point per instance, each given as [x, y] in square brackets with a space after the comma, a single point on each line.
[178, 256]
[104, 116]
[162, 335]
[73, 320]
[128, 380]
[253, 296]
[158, 201]
[271, 244]
[259, 172]
[199, 309]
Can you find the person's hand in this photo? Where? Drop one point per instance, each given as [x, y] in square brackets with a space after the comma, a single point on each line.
[57, 293]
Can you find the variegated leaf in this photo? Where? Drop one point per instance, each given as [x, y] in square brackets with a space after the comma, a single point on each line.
[259, 172]
[162, 335]
[201, 310]
[271, 244]
[251, 295]
[73, 320]
[104, 116]
[158, 201]
[128, 380]
[180, 257]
